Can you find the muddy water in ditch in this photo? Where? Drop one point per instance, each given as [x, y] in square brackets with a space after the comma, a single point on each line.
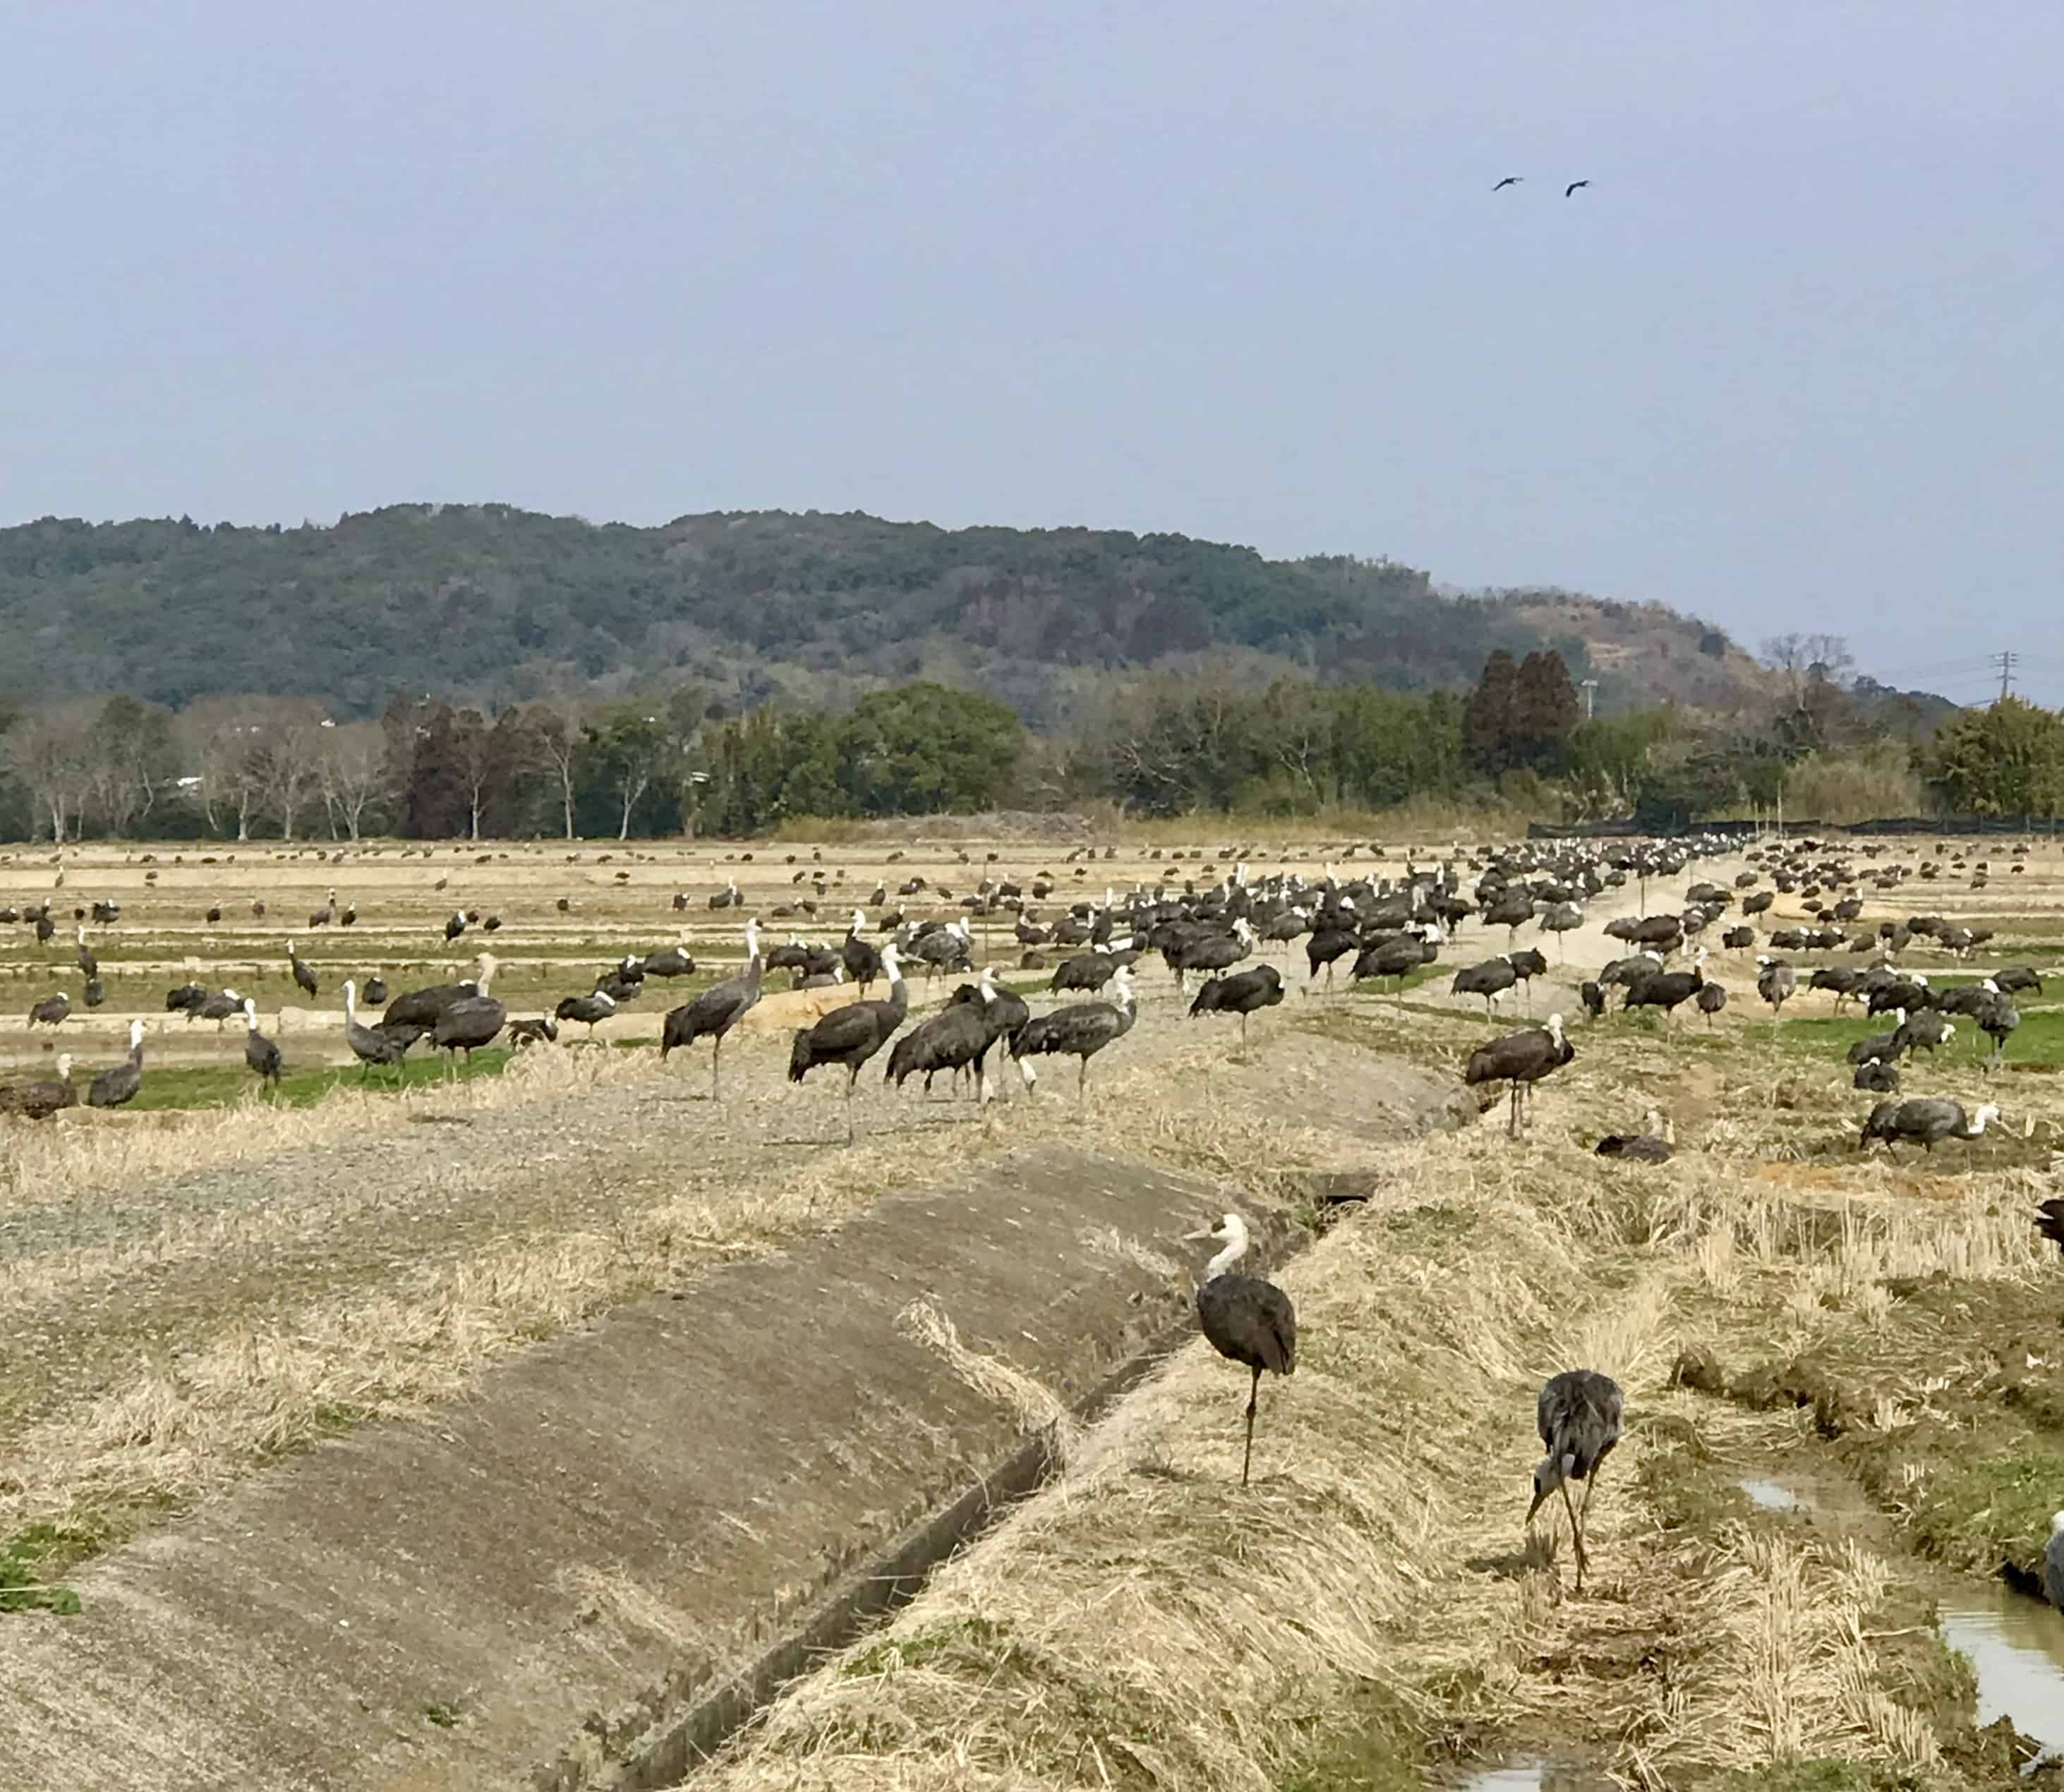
[2015, 1646]
[1536, 1776]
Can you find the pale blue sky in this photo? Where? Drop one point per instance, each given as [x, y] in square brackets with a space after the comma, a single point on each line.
[1792, 361]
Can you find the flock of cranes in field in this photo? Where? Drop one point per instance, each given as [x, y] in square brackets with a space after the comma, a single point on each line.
[1383, 930]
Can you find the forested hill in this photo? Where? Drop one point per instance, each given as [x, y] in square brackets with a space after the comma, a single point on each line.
[504, 604]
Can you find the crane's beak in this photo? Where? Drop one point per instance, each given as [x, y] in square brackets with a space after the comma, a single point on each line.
[1540, 1494]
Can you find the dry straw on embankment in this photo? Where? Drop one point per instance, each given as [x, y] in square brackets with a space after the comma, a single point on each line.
[1146, 1623]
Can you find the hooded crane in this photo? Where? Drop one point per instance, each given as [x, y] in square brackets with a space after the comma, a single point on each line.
[956, 1038]
[454, 927]
[674, 960]
[302, 976]
[1997, 1017]
[111, 1088]
[1489, 980]
[1004, 1011]
[1245, 1319]
[853, 1034]
[1080, 1031]
[1875, 1077]
[590, 1010]
[89, 962]
[50, 1011]
[1667, 989]
[716, 1010]
[324, 915]
[1260, 988]
[368, 1044]
[1657, 1144]
[1579, 1416]
[1090, 970]
[1711, 1000]
[861, 959]
[1924, 1121]
[471, 1021]
[1520, 1060]
[1211, 953]
[262, 1054]
[2052, 1557]
[224, 1004]
[1926, 1031]
[414, 1012]
[1399, 957]
[2049, 1216]
[38, 1097]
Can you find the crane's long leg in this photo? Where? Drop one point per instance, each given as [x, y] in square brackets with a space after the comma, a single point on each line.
[1082, 1079]
[1246, 1461]
[852, 1076]
[1243, 1033]
[716, 1058]
[1576, 1534]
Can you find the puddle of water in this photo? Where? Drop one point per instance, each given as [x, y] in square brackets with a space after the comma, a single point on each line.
[1773, 1496]
[2015, 1644]
[1535, 1776]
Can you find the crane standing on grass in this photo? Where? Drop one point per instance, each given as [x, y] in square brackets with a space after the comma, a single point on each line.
[1245, 1319]
[1578, 1416]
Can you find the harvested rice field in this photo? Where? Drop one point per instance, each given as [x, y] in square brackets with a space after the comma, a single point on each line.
[1844, 1367]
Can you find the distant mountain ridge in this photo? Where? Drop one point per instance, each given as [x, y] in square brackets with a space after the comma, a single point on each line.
[491, 602]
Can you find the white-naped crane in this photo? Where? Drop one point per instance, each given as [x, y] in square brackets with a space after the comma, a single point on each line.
[117, 1085]
[1244, 1318]
[1243, 993]
[1519, 1060]
[368, 1044]
[716, 1010]
[1079, 1031]
[1776, 982]
[1925, 1120]
[304, 976]
[470, 1022]
[262, 1054]
[853, 1034]
[1578, 1416]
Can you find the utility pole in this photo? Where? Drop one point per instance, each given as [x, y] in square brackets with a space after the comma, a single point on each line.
[1589, 687]
[2004, 661]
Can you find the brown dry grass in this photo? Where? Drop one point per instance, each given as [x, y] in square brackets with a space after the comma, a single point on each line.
[1144, 1623]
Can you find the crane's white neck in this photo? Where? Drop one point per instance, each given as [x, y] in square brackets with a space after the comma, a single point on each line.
[1234, 1232]
[350, 1001]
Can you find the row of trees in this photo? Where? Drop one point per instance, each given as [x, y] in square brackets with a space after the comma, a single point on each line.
[1210, 737]
[235, 767]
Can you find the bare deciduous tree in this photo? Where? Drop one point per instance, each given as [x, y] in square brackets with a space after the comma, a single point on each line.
[50, 752]
[352, 773]
[559, 736]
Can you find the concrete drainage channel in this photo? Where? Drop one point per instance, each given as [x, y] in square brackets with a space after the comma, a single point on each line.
[879, 1586]
[679, 1739]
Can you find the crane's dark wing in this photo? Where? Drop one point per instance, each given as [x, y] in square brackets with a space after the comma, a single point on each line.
[2050, 1222]
[847, 1029]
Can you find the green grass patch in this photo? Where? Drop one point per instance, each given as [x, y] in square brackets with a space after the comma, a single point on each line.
[223, 1086]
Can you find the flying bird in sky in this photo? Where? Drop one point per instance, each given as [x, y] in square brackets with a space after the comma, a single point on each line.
[1573, 186]
[1510, 180]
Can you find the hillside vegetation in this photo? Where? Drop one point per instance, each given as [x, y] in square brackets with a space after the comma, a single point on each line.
[498, 605]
